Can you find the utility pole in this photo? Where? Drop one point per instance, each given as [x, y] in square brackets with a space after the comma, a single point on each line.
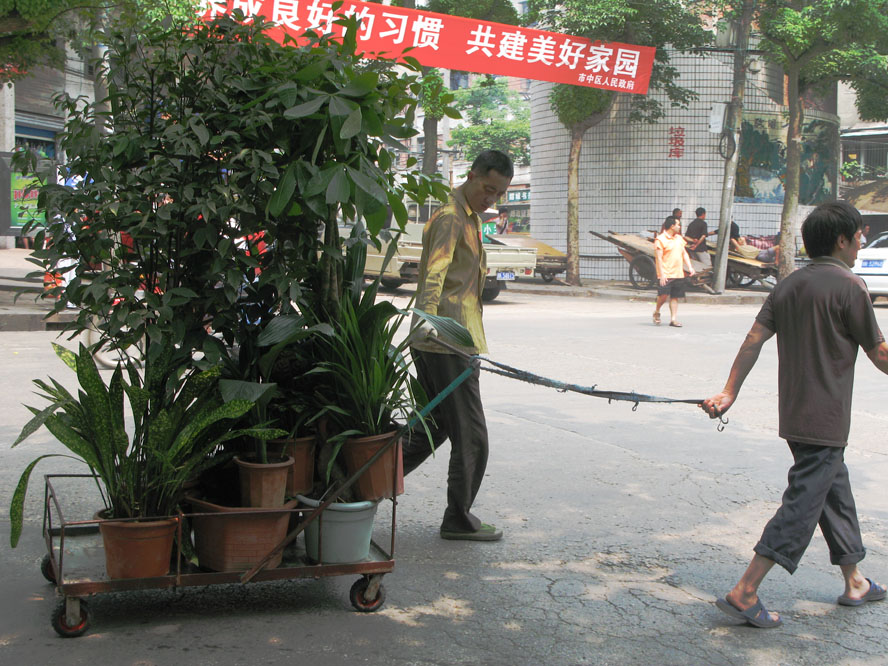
[730, 146]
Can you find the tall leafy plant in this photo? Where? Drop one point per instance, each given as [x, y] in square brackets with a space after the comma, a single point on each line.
[176, 422]
[221, 138]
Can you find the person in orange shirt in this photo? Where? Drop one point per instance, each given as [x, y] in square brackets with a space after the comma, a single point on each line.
[671, 258]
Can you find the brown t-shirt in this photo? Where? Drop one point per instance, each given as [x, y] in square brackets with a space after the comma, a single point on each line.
[821, 314]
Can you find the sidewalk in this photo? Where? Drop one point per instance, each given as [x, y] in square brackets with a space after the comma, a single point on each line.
[27, 311]
[21, 308]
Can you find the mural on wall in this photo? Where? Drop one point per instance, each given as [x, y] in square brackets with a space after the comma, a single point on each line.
[762, 166]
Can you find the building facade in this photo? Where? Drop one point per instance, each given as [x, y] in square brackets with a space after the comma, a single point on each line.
[632, 175]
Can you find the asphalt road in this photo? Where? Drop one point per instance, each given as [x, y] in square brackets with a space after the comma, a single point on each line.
[621, 526]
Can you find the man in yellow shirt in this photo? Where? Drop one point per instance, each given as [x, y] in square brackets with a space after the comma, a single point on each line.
[452, 271]
[671, 258]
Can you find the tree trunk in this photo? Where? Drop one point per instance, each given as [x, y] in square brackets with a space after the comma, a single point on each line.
[430, 146]
[733, 122]
[573, 207]
[793, 175]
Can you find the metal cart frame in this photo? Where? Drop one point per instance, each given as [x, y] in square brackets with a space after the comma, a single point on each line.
[71, 616]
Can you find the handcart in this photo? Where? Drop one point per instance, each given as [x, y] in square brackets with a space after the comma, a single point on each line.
[639, 252]
[74, 561]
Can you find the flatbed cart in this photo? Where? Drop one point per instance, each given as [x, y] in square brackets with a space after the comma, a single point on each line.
[74, 561]
[639, 252]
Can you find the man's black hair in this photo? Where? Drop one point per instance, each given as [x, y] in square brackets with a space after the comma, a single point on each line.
[676, 212]
[700, 212]
[496, 160]
[822, 228]
[668, 223]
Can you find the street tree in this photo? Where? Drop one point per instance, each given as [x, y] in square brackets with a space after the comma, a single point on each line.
[496, 117]
[656, 23]
[817, 43]
[435, 97]
[32, 32]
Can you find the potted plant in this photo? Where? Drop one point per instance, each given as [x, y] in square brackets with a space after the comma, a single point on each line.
[177, 422]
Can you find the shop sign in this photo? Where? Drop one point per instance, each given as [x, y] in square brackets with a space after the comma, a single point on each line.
[518, 196]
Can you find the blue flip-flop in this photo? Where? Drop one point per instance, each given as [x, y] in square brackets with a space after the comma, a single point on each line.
[875, 592]
[756, 615]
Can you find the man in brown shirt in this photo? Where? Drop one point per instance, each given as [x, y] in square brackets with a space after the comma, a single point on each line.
[821, 315]
[452, 270]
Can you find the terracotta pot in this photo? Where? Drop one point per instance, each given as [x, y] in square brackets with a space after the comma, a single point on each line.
[263, 485]
[379, 480]
[137, 549]
[300, 478]
[229, 541]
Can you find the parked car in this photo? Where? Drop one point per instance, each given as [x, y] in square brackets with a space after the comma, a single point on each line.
[504, 264]
[872, 265]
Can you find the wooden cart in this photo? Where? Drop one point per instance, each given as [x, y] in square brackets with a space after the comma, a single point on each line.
[639, 252]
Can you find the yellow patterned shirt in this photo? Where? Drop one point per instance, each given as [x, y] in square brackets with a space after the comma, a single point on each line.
[452, 271]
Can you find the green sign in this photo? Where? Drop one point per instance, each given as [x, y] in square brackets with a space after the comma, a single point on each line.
[24, 205]
[487, 228]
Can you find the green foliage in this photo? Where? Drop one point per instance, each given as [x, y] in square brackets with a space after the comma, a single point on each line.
[177, 422]
[497, 119]
[31, 31]
[434, 97]
[658, 24]
[498, 11]
[220, 135]
[574, 104]
[825, 41]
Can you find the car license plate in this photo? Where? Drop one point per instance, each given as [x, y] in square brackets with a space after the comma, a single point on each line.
[505, 275]
[872, 263]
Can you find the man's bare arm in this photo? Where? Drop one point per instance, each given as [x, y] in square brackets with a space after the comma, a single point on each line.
[879, 356]
[743, 363]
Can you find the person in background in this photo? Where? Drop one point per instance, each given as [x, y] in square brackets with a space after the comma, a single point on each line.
[676, 213]
[864, 235]
[821, 315]
[671, 257]
[502, 221]
[696, 235]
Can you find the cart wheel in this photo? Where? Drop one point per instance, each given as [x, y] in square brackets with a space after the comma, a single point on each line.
[60, 622]
[47, 570]
[643, 273]
[738, 280]
[547, 276]
[356, 596]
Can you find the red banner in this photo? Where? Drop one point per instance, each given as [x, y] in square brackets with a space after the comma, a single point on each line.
[454, 42]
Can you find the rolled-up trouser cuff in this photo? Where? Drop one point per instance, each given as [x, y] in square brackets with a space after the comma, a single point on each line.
[782, 560]
[847, 558]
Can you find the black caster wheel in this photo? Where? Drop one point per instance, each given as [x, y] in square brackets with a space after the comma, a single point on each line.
[47, 570]
[547, 276]
[361, 604]
[60, 621]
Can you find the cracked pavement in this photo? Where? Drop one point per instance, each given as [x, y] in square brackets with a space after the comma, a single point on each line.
[621, 526]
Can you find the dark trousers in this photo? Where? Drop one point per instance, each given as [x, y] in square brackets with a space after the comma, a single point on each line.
[819, 492]
[459, 418]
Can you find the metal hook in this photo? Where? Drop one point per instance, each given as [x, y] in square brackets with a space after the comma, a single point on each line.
[722, 422]
[635, 407]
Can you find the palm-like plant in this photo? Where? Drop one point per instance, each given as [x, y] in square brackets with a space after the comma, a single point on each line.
[177, 421]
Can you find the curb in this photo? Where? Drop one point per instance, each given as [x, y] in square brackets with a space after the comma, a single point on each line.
[611, 292]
